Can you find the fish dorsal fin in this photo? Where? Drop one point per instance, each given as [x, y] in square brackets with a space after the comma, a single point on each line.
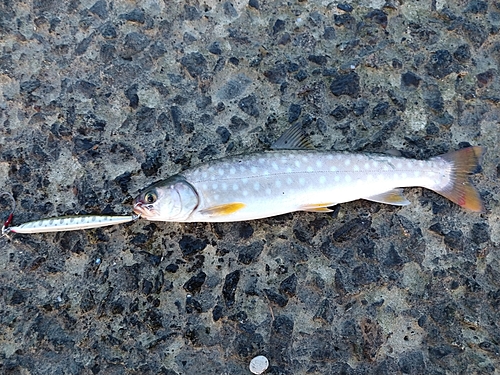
[223, 209]
[293, 139]
[394, 197]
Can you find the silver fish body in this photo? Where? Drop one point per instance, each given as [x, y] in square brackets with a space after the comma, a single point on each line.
[265, 184]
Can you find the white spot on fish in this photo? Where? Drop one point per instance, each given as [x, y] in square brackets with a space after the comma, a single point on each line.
[370, 177]
[204, 175]
[309, 168]
[245, 193]
[356, 168]
[367, 165]
[297, 163]
[322, 179]
[337, 178]
[221, 172]
[375, 164]
[416, 173]
[216, 197]
[302, 181]
[215, 186]
[204, 186]
[262, 160]
[235, 187]
[268, 191]
[404, 175]
[347, 162]
[305, 159]
[289, 181]
[275, 166]
[333, 168]
[265, 173]
[288, 170]
[245, 180]
[385, 167]
[253, 170]
[319, 163]
[399, 165]
[329, 156]
[224, 186]
[347, 178]
[242, 168]
[232, 171]
[277, 183]
[256, 186]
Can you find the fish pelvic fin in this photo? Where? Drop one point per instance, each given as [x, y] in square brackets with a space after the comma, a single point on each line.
[394, 197]
[223, 209]
[317, 207]
[460, 190]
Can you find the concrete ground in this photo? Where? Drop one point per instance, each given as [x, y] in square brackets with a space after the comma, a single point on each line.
[100, 99]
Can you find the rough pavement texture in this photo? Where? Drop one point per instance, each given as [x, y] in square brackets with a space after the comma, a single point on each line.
[100, 99]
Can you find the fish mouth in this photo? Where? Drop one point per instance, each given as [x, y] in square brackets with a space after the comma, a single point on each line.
[144, 210]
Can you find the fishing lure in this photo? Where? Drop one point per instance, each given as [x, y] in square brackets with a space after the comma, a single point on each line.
[63, 223]
[67, 223]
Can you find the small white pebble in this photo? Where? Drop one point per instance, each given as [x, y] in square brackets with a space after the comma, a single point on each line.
[259, 364]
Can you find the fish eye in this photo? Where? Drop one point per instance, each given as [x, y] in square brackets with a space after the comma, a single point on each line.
[150, 197]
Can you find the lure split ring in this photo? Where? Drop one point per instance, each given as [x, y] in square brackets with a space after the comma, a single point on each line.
[5, 226]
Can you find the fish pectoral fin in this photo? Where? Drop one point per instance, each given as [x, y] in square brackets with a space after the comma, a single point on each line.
[394, 197]
[293, 139]
[223, 209]
[317, 207]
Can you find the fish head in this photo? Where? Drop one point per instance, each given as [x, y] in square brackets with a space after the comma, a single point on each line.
[173, 199]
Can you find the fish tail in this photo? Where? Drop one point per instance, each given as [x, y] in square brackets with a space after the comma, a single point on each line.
[460, 190]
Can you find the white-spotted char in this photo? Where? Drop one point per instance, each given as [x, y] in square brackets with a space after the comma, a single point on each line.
[250, 186]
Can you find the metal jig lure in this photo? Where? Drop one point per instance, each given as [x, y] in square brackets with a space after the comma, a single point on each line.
[63, 223]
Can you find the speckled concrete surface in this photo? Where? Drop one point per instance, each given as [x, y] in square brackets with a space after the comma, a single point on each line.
[100, 99]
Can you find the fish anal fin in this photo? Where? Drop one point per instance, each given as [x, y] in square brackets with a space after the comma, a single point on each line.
[293, 139]
[317, 207]
[223, 209]
[460, 190]
[394, 197]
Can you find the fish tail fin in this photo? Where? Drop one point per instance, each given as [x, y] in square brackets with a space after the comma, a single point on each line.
[460, 189]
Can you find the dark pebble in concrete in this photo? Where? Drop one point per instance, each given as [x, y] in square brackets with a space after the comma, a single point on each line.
[346, 84]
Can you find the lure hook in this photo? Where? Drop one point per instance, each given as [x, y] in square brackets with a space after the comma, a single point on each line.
[5, 226]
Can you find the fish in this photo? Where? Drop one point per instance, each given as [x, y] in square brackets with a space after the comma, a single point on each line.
[66, 223]
[293, 176]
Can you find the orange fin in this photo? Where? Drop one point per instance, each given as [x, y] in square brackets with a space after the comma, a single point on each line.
[223, 209]
[460, 190]
[394, 197]
[317, 207]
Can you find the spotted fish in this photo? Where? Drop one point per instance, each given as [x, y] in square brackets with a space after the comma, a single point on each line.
[293, 177]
